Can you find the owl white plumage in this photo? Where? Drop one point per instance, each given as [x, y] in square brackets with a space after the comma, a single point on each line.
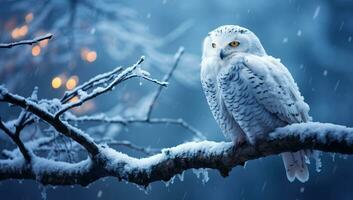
[251, 93]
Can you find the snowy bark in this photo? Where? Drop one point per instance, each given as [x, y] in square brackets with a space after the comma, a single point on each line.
[222, 156]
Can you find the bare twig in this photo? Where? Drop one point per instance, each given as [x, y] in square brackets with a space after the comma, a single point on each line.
[128, 144]
[126, 121]
[165, 79]
[27, 42]
[95, 81]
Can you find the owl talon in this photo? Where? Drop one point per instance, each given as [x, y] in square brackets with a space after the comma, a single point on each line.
[239, 141]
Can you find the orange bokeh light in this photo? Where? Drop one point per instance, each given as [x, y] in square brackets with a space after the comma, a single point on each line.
[43, 43]
[88, 55]
[19, 32]
[29, 17]
[56, 82]
[72, 82]
[74, 100]
[91, 56]
[36, 50]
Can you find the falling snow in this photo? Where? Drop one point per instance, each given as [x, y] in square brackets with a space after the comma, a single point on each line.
[99, 194]
[324, 73]
[336, 85]
[302, 189]
[341, 26]
[299, 33]
[317, 12]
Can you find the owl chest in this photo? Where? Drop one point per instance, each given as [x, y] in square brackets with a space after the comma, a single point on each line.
[219, 110]
[241, 101]
[239, 96]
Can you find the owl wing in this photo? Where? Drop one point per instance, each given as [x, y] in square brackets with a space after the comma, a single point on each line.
[272, 86]
[284, 98]
[267, 81]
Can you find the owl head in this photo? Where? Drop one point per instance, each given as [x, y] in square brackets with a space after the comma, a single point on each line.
[228, 40]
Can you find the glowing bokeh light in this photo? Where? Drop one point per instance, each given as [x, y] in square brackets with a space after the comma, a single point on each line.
[56, 82]
[74, 100]
[36, 50]
[91, 56]
[72, 82]
[43, 43]
[19, 32]
[29, 17]
[88, 55]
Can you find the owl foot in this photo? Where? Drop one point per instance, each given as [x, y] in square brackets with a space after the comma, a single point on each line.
[239, 141]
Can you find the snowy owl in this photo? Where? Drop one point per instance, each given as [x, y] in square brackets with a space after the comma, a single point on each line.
[251, 93]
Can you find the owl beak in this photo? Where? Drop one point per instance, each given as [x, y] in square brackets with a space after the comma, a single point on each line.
[222, 54]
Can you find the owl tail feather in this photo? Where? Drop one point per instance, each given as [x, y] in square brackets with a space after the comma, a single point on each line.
[295, 166]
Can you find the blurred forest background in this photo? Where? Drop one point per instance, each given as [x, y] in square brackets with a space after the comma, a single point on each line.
[312, 38]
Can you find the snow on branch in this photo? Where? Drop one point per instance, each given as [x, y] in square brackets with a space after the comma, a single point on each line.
[26, 42]
[222, 156]
[56, 113]
[124, 75]
[53, 118]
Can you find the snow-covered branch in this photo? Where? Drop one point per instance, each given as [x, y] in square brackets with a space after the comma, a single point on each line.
[63, 127]
[129, 72]
[222, 156]
[56, 113]
[51, 111]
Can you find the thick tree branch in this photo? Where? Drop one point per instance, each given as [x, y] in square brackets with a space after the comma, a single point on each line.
[222, 156]
[26, 42]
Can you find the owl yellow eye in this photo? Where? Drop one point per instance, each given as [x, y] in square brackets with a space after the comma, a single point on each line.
[234, 44]
[213, 45]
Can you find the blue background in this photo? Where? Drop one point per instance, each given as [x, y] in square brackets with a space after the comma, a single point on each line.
[312, 38]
